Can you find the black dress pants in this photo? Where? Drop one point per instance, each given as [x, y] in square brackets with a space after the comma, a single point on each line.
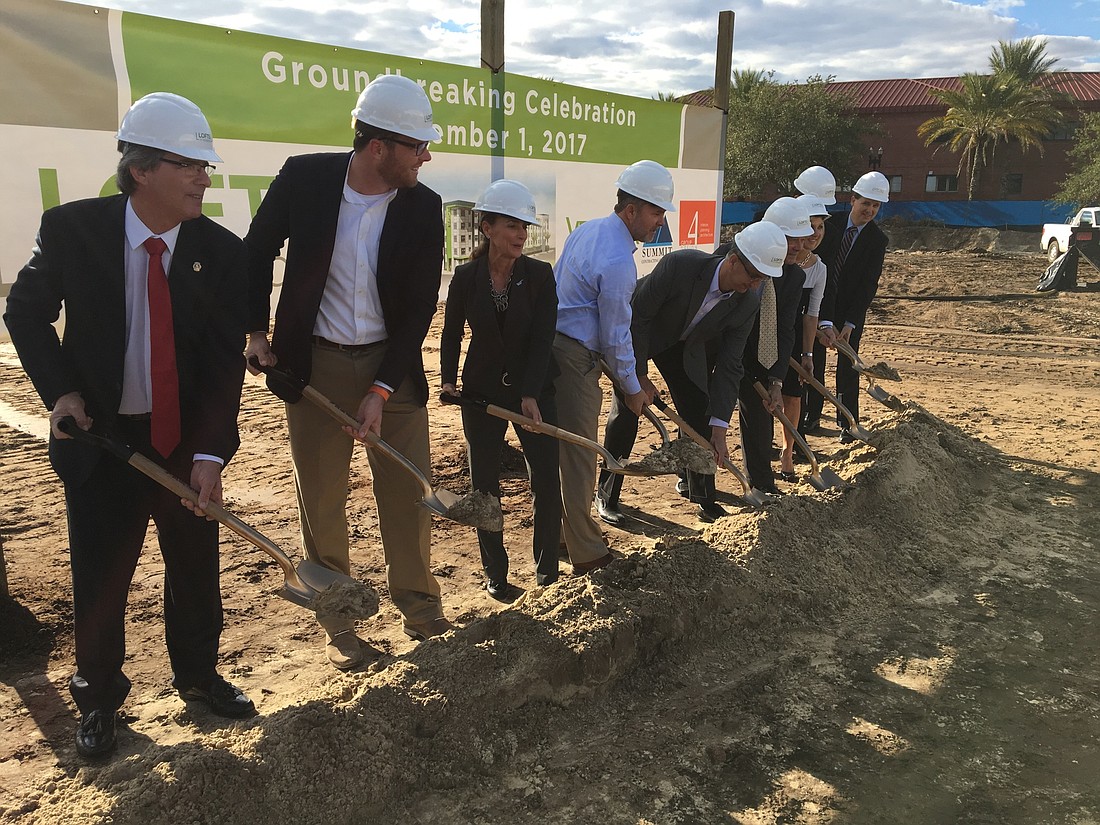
[757, 428]
[485, 449]
[108, 517]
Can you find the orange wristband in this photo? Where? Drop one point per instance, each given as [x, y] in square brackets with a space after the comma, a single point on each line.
[382, 391]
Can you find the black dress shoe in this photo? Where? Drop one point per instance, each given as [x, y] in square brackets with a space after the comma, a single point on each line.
[846, 436]
[221, 697]
[769, 489]
[609, 512]
[95, 735]
[682, 488]
[809, 425]
[502, 591]
[709, 511]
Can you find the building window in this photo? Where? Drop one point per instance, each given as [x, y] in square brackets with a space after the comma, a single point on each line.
[941, 183]
[1064, 132]
[1012, 184]
[895, 183]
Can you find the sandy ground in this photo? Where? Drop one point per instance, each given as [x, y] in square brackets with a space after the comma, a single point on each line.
[918, 646]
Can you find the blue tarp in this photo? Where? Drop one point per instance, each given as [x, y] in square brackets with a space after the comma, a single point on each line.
[1003, 214]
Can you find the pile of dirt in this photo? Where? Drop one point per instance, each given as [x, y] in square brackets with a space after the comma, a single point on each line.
[461, 726]
[917, 238]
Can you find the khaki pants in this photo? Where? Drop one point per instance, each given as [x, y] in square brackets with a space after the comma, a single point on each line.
[579, 397]
[322, 458]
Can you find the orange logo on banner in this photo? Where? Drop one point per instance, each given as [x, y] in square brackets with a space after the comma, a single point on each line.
[697, 223]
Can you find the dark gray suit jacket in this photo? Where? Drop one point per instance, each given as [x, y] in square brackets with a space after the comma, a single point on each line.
[666, 301]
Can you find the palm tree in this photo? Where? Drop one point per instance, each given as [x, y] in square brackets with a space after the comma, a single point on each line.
[1009, 105]
[1025, 60]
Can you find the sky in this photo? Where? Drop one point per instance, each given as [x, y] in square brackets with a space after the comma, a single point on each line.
[642, 47]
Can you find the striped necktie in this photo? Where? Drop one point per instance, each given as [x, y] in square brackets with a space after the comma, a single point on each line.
[846, 245]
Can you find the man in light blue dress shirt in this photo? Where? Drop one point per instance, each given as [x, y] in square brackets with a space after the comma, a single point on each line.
[596, 275]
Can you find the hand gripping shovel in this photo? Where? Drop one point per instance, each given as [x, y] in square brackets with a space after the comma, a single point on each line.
[854, 427]
[870, 373]
[439, 500]
[309, 585]
[820, 479]
[748, 494]
[611, 463]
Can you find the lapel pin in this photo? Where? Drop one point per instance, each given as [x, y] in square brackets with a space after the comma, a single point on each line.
[196, 266]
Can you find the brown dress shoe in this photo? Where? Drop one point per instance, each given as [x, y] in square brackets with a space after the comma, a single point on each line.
[582, 567]
[422, 631]
[343, 650]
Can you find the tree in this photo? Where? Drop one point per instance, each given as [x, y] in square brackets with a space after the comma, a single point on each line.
[1009, 105]
[1082, 186]
[778, 129]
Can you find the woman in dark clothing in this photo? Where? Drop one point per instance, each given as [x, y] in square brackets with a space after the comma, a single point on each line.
[510, 303]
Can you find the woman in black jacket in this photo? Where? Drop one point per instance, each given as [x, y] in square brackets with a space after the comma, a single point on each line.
[510, 303]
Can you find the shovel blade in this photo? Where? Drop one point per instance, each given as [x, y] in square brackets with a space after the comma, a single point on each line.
[885, 398]
[443, 503]
[829, 478]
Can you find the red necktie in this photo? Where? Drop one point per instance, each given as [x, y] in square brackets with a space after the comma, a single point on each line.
[165, 425]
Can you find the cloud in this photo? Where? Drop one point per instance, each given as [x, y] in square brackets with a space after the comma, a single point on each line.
[646, 46]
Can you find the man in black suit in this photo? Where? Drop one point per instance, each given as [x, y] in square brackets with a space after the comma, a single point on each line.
[360, 286]
[854, 257]
[768, 363]
[151, 359]
[692, 316]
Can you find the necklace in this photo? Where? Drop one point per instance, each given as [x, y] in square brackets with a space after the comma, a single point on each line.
[500, 296]
[805, 260]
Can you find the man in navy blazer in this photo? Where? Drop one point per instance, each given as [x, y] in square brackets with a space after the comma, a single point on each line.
[854, 256]
[359, 290]
[107, 260]
[691, 316]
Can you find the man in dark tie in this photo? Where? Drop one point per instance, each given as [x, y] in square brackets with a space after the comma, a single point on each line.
[154, 297]
[691, 316]
[769, 345]
[854, 257]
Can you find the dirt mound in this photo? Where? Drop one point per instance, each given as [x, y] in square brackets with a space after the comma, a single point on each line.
[916, 238]
[511, 718]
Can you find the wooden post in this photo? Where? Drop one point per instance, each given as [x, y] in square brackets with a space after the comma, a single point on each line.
[492, 58]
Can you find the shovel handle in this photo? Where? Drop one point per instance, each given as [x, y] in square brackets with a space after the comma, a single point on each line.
[530, 423]
[340, 416]
[798, 439]
[809, 378]
[165, 479]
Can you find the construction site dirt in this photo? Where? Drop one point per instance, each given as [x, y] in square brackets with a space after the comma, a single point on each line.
[920, 645]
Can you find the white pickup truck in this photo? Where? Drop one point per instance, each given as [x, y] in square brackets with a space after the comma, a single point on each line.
[1055, 239]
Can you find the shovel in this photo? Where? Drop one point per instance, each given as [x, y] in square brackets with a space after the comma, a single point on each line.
[854, 427]
[820, 479]
[611, 463]
[309, 585]
[873, 389]
[439, 500]
[748, 494]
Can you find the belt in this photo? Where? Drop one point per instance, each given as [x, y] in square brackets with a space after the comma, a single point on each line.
[136, 416]
[324, 343]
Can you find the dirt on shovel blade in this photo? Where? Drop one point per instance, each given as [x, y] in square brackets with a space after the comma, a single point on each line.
[349, 600]
[884, 371]
[478, 509]
[683, 453]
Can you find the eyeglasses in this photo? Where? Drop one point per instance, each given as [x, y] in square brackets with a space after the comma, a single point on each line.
[192, 167]
[418, 148]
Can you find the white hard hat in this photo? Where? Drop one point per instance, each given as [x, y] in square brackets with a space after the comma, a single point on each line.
[764, 246]
[649, 181]
[508, 197]
[815, 205]
[166, 121]
[790, 216]
[873, 185]
[396, 104]
[817, 180]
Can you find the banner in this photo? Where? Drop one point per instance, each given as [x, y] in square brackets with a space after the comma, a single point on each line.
[71, 71]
